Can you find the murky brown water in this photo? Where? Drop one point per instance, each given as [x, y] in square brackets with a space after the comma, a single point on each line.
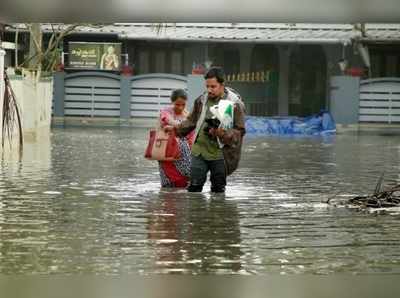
[86, 201]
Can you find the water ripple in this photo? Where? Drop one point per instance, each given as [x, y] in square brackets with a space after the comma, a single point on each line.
[86, 201]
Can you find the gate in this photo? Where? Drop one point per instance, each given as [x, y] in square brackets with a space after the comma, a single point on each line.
[380, 100]
[150, 93]
[100, 94]
[92, 94]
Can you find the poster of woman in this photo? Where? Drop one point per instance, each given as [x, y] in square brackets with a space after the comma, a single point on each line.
[92, 55]
[109, 60]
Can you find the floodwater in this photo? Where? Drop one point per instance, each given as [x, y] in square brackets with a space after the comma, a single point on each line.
[86, 201]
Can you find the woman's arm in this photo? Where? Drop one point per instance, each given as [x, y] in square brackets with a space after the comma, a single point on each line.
[188, 125]
[167, 119]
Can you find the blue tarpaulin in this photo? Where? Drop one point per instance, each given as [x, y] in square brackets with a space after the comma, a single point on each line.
[319, 124]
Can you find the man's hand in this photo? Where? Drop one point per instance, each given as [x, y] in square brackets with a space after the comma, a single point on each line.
[217, 132]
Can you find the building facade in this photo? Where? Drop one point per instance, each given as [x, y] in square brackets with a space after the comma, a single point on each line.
[281, 69]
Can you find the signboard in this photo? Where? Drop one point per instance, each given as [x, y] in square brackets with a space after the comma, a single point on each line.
[94, 55]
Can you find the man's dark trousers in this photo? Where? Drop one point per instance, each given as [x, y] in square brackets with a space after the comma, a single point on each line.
[199, 170]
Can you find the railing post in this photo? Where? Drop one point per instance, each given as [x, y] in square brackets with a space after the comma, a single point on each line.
[59, 94]
[92, 100]
[159, 100]
[390, 107]
[125, 97]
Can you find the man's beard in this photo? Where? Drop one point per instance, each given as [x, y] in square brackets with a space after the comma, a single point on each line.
[212, 96]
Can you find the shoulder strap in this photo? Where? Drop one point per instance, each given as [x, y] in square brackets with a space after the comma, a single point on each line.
[200, 121]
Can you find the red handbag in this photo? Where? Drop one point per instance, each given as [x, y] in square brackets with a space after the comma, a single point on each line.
[162, 146]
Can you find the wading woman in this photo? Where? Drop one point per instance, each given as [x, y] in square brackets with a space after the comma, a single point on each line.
[176, 173]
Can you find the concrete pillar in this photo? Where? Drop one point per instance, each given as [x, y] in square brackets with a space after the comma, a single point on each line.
[59, 93]
[125, 97]
[283, 89]
[195, 87]
[333, 53]
[345, 97]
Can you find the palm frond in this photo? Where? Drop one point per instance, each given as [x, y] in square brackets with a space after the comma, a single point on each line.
[11, 117]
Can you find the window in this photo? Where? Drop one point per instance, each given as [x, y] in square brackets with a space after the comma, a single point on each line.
[376, 66]
[160, 65]
[159, 58]
[144, 62]
[391, 66]
[385, 60]
[176, 62]
[231, 61]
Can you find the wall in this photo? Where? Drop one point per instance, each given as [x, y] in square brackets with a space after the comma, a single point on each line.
[34, 99]
[344, 99]
[2, 53]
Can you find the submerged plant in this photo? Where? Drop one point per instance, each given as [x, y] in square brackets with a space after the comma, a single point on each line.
[381, 198]
[11, 117]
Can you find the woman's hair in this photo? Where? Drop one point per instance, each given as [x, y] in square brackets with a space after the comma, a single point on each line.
[217, 73]
[178, 93]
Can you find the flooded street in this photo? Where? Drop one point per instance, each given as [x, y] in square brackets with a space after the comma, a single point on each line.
[86, 201]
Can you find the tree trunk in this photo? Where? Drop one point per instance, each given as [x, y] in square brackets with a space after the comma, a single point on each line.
[35, 46]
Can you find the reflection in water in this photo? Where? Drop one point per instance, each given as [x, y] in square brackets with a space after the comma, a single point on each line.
[86, 201]
[196, 234]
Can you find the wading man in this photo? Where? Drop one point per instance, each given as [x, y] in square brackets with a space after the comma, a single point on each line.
[217, 147]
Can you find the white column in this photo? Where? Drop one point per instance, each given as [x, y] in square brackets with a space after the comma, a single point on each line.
[333, 54]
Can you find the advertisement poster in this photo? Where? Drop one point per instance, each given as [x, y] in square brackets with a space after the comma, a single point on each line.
[89, 55]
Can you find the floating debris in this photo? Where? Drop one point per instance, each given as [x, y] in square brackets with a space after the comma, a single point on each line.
[387, 198]
[383, 199]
